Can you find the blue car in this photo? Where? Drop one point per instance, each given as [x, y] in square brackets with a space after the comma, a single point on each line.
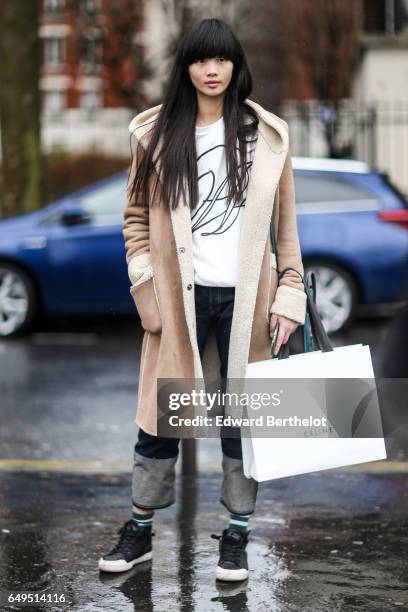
[69, 257]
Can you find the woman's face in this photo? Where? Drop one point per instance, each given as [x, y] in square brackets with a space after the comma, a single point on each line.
[216, 69]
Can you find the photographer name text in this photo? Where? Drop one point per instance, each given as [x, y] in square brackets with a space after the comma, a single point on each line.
[269, 420]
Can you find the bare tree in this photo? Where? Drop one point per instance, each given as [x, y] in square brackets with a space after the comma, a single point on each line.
[122, 48]
[304, 51]
[20, 108]
[321, 47]
[322, 53]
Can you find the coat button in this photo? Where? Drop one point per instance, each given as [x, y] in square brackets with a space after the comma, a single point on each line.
[189, 286]
[182, 249]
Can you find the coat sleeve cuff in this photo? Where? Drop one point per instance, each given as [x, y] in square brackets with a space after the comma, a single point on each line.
[291, 303]
[140, 268]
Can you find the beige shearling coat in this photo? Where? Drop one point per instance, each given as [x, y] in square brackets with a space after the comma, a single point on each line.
[158, 243]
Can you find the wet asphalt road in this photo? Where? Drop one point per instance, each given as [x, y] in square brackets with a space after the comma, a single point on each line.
[319, 542]
[334, 540]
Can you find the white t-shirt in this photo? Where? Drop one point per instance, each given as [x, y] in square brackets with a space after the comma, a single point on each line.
[216, 224]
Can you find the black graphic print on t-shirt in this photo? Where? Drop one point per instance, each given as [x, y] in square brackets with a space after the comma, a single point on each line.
[204, 213]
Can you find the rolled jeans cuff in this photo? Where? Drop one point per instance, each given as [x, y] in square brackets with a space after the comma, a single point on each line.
[238, 493]
[153, 481]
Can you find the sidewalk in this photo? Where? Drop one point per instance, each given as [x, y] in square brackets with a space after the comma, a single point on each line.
[208, 460]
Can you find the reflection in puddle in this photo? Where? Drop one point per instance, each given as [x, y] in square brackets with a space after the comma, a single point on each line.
[317, 543]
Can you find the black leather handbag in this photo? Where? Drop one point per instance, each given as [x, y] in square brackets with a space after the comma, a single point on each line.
[311, 336]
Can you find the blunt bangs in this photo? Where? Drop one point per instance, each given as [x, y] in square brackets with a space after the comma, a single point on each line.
[210, 38]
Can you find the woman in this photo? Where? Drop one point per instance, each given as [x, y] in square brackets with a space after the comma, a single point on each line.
[210, 166]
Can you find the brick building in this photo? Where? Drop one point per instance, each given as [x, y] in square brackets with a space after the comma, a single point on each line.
[80, 40]
[91, 71]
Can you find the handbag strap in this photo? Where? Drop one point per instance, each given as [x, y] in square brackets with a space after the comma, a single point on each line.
[322, 339]
[319, 331]
[273, 238]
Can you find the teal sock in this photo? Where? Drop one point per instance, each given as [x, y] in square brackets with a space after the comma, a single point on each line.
[143, 520]
[239, 521]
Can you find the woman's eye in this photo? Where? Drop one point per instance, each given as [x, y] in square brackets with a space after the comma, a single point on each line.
[222, 59]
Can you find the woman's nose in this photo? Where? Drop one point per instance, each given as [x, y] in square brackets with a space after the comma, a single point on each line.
[212, 70]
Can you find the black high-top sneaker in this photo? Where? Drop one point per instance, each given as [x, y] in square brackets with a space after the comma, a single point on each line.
[233, 562]
[134, 546]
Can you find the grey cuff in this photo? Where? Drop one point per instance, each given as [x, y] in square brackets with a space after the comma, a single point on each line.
[238, 493]
[153, 481]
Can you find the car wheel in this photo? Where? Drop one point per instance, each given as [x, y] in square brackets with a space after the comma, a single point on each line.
[336, 295]
[17, 300]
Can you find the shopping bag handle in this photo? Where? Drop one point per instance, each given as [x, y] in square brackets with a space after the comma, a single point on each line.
[322, 339]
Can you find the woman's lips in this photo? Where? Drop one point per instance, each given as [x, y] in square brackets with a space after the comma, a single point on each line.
[212, 84]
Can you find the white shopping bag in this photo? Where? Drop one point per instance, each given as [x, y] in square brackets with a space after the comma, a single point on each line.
[273, 457]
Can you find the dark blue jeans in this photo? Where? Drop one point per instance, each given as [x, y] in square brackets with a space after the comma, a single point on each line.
[214, 306]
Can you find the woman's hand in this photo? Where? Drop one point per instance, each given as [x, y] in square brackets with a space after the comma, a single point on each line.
[286, 328]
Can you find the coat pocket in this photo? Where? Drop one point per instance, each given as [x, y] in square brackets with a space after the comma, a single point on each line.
[145, 299]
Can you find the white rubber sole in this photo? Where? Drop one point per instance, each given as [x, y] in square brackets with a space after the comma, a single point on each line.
[231, 575]
[122, 566]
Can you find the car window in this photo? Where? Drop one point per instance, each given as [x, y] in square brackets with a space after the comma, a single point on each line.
[317, 193]
[106, 201]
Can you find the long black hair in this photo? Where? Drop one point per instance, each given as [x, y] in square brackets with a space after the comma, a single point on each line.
[175, 125]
